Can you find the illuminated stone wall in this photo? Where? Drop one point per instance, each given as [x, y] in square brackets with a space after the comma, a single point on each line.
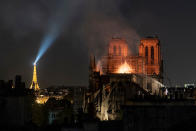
[150, 49]
[147, 62]
[109, 88]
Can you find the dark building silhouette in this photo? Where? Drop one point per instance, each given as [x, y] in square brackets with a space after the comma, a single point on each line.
[135, 95]
[16, 102]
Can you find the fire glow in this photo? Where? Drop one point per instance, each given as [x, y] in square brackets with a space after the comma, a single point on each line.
[124, 69]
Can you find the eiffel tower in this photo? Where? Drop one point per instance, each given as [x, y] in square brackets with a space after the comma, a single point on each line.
[34, 84]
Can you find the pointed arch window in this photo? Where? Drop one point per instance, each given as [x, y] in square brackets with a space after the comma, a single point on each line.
[114, 50]
[119, 50]
[152, 55]
[146, 51]
[146, 54]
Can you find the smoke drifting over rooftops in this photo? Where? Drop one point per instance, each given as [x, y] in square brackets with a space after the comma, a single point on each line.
[87, 27]
[103, 20]
[69, 26]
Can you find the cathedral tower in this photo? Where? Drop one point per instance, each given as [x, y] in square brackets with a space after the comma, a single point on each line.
[118, 47]
[150, 49]
[34, 84]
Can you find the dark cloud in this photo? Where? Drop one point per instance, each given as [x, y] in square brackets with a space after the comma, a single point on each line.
[102, 21]
[91, 24]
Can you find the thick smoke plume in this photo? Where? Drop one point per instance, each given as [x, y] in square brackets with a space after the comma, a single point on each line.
[101, 22]
[86, 28]
[23, 25]
[94, 21]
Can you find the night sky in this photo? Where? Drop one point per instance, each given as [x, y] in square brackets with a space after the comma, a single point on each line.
[87, 27]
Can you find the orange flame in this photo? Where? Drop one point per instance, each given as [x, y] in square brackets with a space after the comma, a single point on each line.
[124, 69]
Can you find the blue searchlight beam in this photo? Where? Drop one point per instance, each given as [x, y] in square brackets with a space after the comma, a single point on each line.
[62, 16]
[54, 30]
[46, 43]
[55, 27]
